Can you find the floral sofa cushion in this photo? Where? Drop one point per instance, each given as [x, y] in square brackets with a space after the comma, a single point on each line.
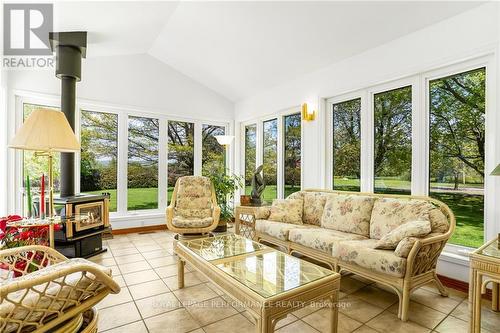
[348, 213]
[320, 238]
[275, 229]
[404, 247]
[314, 203]
[439, 222]
[364, 254]
[409, 229]
[43, 298]
[192, 222]
[287, 210]
[390, 213]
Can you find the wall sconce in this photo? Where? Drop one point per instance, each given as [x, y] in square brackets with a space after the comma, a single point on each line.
[308, 115]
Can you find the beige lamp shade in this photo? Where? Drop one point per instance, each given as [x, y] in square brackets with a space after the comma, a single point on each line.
[496, 172]
[46, 130]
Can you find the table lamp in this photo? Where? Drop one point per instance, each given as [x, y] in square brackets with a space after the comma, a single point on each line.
[46, 131]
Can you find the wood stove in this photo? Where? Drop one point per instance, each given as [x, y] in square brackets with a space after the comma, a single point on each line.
[85, 218]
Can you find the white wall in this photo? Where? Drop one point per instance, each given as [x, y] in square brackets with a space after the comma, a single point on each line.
[136, 81]
[468, 35]
[123, 83]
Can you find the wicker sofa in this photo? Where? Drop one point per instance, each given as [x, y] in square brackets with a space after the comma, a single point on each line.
[350, 246]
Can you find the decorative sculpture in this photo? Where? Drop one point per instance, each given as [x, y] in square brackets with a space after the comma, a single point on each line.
[258, 185]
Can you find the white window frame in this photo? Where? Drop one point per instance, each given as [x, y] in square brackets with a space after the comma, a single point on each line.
[420, 137]
[280, 154]
[15, 166]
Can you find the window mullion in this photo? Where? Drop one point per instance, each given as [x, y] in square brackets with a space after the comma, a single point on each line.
[162, 165]
[121, 192]
[198, 148]
[281, 169]
[367, 142]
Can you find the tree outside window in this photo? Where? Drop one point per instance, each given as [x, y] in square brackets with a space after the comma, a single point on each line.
[143, 135]
[270, 158]
[392, 111]
[99, 154]
[250, 154]
[457, 151]
[292, 153]
[347, 145]
[180, 152]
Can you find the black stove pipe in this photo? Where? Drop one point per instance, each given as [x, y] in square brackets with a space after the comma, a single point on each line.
[70, 48]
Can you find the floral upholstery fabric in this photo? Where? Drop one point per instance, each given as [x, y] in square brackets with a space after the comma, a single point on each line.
[404, 247]
[193, 201]
[363, 253]
[288, 211]
[389, 213]
[439, 222]
[297, 195]
[348, 213]
[192, 222]
[74, 287]
[262, 213]
[275, 229]
[409, 229]
[319, 238]
[314, 203]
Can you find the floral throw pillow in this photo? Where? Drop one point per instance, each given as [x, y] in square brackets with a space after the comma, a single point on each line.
[390, 213]
[287, 210]
[409, 229]
[348, 213]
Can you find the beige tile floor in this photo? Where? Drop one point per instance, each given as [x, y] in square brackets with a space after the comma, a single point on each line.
[145, 268]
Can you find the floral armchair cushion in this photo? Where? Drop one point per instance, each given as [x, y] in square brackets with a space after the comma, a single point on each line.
[409, 229]
[390, 213]
[287, 210]
[194, 197]
[192, 222]
[348, 213]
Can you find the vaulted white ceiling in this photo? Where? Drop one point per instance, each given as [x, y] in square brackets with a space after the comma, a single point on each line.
[241, 48]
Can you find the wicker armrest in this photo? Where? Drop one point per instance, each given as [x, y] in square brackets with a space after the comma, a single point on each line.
[26, 259]
[216, 214]
[52, 295]
[425, 253]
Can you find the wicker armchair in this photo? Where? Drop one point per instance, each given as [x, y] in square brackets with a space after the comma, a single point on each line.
[43, 291]
[193, 208]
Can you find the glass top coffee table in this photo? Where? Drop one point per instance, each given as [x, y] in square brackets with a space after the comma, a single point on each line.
[269, 283]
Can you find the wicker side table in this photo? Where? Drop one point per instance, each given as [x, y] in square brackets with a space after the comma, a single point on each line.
[484, 269]
[244, 220]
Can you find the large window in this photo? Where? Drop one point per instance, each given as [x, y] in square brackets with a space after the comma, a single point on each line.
[292, 153]
[457, 150]
[143, 135]
[180, 152]
[392, 164]
[347, 145]
[213, 154]
[34, 166]
[270, 158]
[99, 154]
[250, 154]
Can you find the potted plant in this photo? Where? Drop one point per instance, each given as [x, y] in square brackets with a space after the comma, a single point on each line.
[225, 185]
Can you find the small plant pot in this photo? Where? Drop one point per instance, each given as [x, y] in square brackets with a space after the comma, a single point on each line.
[245, 200]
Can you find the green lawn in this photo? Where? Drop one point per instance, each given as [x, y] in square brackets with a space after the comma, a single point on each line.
[468, 207]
